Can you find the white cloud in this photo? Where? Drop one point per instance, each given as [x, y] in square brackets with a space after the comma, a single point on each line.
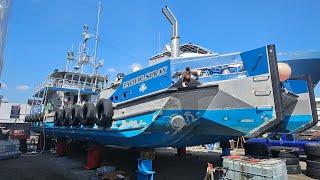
[136, 67]
[3, 85]
[22, 87]
[4, 99]
[111, 70]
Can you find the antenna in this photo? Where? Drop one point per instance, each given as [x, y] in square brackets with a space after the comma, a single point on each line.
[70, 57]
[97, 40]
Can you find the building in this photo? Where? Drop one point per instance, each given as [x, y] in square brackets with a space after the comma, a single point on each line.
[13, 112]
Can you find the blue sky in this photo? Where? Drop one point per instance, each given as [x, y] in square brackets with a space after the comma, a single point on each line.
[41, 31]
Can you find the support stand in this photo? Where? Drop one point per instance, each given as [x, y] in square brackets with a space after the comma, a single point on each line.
[225, 145]
[181, 152]
[240, 142]
[94, 157]
[40, 142]
[145, 171]
[61, 147]
[225, 151]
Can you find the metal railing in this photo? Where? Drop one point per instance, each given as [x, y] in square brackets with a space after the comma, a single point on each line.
[67, 83]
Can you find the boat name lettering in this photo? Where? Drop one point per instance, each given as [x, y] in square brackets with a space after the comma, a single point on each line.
[150, 75]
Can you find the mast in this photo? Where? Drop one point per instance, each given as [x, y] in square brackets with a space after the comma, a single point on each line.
[70, 57]
[96, 42]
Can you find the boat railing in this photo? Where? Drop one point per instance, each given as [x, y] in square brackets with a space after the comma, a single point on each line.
[67, 83]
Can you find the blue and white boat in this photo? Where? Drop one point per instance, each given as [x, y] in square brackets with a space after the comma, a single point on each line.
[189, 96]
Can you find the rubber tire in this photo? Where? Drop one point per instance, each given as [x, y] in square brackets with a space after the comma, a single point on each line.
[291, 161]
[26, 118]
[58, 117]
[313, 172]
[284, 154]
[76, 115]
[294, 169]
[88, 114]
[32, 119]
[67, 116]
[36, 118]
[313, 164]
[41, 117]
[312, 151]
[256, 150]
[104, 112]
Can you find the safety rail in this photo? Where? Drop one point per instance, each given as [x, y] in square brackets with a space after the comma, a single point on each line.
[67, 83]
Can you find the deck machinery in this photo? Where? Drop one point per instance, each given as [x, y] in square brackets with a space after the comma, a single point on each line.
[186, 96]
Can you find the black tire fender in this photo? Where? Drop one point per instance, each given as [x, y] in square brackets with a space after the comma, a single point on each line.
[88, 114]
[26, 118]
[37, 117]
[104, 112]
[32, 118]
[76, 115]
[58, 117]
[67, 116]
[41, 117]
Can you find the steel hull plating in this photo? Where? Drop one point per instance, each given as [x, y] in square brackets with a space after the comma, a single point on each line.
[154, 108]
[202, 122]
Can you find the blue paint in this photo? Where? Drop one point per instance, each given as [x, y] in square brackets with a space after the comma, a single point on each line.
[296, 86]
[294, 122]
[158, 132]
[243, 120]
[159, 76]
[36, 109]
[201, 126]
[225, 152]
[255, 61]
[143, 82]
[145, 171]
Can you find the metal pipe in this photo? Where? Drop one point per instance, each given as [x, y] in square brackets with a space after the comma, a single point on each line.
[175, 39]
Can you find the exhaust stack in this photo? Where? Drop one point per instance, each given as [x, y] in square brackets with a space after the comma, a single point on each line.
[175, 39]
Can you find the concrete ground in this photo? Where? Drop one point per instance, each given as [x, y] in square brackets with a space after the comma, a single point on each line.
[49, 167]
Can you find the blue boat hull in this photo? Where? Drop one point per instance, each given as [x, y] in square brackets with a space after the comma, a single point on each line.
[302, 67]
[153, 109]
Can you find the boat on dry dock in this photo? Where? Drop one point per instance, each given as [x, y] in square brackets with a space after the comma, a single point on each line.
[186, 96]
